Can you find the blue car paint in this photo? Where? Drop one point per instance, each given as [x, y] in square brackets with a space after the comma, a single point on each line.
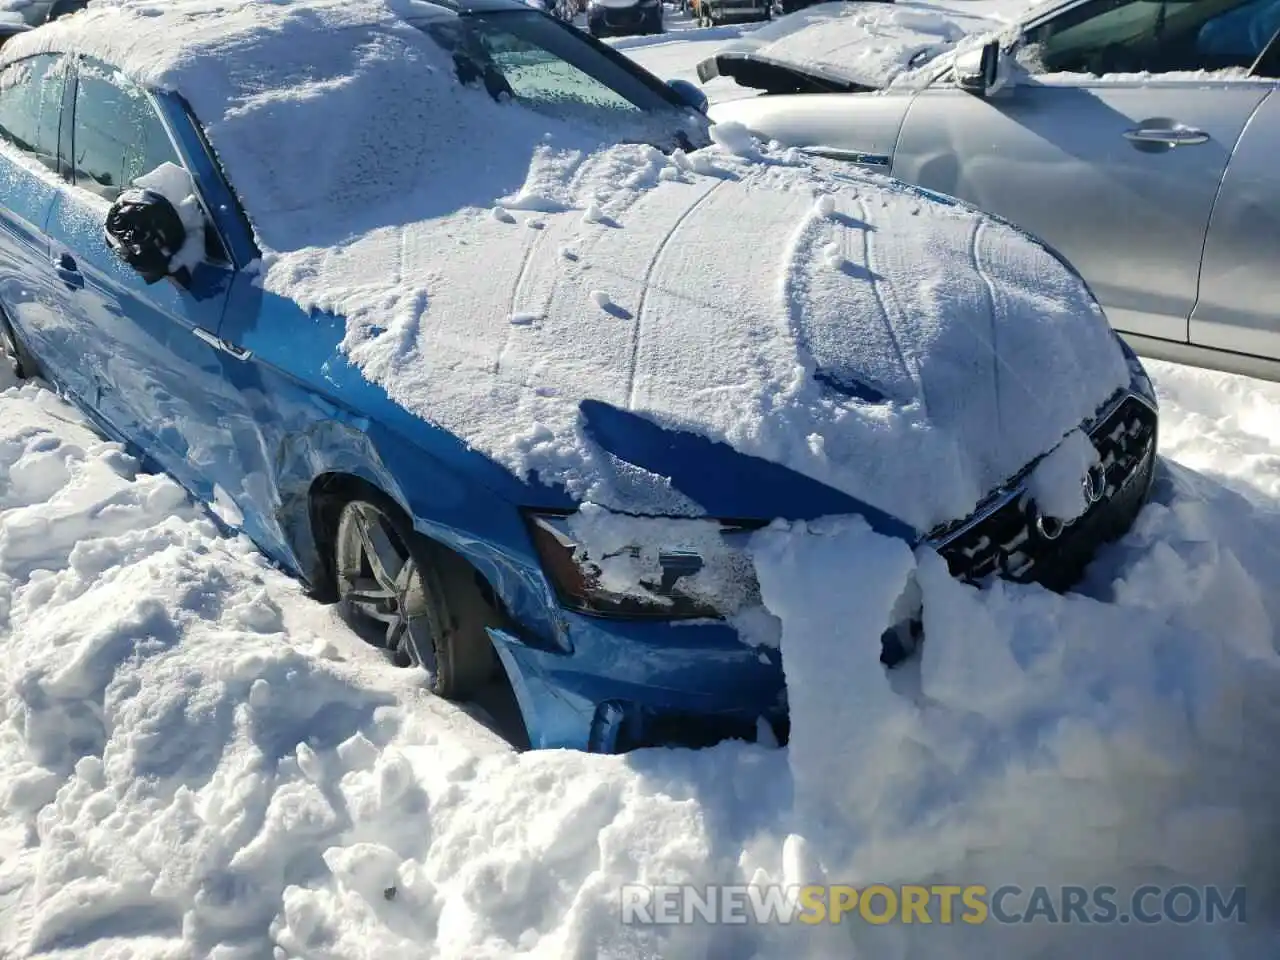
[252, 425]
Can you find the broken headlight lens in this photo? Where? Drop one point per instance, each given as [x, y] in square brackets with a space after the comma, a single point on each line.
[616, 565]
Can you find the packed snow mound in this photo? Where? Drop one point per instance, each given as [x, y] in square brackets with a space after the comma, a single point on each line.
[1106, 738]
[197, 761]
[908, 352]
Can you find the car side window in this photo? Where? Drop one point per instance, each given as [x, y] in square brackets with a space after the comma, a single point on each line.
[1242, 34]
[117, 135]
[1151, 36]
[31, 105]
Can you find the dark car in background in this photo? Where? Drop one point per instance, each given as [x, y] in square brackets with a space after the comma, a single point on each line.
[36, 12]
[624, 17]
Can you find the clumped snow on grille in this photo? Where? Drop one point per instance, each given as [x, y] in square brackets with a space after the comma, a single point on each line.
[930, 357]
[1055, 485]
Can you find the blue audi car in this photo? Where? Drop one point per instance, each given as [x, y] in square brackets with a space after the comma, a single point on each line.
[460, 317]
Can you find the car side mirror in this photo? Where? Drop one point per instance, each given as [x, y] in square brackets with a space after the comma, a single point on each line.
[982, 72]
[690, 94]
[145, 230]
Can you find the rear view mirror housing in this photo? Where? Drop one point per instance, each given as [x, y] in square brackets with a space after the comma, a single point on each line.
[982, 71]
[145, 230]
[690, 94]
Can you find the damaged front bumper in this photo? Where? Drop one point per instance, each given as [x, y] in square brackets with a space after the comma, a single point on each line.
[614, 684]
[628, 684]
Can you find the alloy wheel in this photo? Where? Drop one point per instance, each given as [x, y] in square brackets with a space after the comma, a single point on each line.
[380, 583]
[9, 348]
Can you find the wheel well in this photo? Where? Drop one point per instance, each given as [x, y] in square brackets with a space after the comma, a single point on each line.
[329, 493]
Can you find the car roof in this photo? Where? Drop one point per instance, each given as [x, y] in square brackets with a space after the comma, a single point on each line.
[151, 41]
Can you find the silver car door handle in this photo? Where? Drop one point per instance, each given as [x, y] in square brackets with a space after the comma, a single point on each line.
[218, 343]
[1169, 136]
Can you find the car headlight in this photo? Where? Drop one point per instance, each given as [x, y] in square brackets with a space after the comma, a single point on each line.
[615, 565]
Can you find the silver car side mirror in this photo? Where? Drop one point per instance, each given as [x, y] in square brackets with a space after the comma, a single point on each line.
[980, 71]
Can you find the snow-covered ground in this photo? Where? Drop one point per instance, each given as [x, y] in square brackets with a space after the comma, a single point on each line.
[196, 760]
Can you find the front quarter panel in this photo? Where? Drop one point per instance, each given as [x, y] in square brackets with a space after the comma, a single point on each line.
[862, 128]
[305, 412]
[314, 413]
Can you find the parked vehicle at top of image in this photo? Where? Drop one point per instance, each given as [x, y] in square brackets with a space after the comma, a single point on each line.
[438, 416]
[620, 18]
[1136, 136]
[712, 13]
[783, 7]
[564, 10]
[36, 12]
[11, 28]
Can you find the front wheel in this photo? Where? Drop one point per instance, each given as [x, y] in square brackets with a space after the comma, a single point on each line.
[16, 356]
[401, 592]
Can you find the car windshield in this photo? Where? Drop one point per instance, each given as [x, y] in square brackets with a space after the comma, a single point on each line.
[546, 66]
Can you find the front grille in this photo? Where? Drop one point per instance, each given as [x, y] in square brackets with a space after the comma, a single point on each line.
[629, 17]
[1001, 537]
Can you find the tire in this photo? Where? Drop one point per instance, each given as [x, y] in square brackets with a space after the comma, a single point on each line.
[16, 355]
[411, 597]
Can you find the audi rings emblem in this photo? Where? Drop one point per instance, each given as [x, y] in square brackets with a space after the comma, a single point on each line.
[1094, 485]
[1049, 527]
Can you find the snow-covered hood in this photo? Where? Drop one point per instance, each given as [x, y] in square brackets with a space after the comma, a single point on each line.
[907, 352]
[868, 44]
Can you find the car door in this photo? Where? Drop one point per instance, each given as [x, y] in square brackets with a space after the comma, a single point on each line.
[1237, 309]
[1112, 148]
[32, 91]
[151, 348]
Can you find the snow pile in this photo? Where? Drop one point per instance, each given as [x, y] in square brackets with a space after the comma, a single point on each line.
[1224, 425]
[1122, 737]
[736, 139]
[1055, 483]
[903, 355]
[196, 761]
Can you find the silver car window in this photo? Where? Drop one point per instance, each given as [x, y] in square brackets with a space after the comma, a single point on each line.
[1151, 36]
